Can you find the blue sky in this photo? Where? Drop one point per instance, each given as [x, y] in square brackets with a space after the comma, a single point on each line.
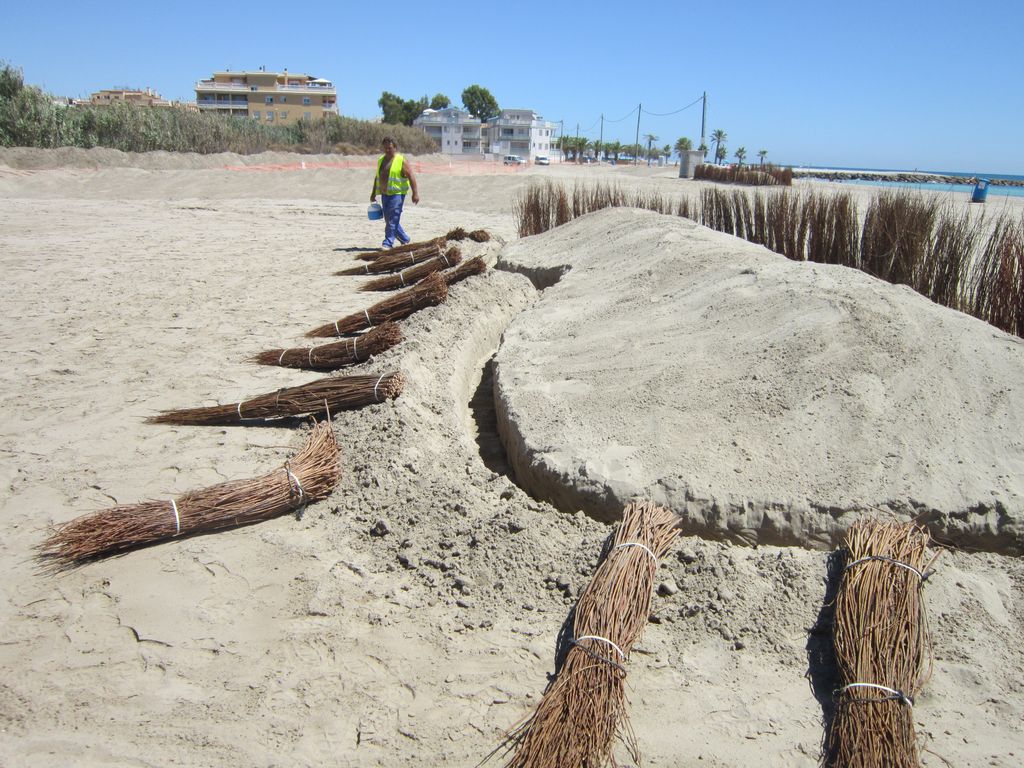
[933, 85]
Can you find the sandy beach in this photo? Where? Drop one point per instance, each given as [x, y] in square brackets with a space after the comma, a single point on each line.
[411, 618]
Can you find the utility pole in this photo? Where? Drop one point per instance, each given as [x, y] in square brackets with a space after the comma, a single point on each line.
[600, 141]
[576, 151]
[636, 145]
[704, 121]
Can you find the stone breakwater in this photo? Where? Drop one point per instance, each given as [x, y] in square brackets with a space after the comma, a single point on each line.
[900, 176]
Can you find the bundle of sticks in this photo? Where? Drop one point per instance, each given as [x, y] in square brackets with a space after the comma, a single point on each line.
[409, 277]
[584, 707]
[882, 648]
[308, 477]
[319, 397]
[394, 262]
[338, 354]
[429, 292]
[475, 266]
[454, 235]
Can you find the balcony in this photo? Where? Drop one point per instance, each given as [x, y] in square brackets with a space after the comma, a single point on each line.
[319, 87]
[222, 104]
[210, 85]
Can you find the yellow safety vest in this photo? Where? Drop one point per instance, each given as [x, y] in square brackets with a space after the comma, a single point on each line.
[397, 183]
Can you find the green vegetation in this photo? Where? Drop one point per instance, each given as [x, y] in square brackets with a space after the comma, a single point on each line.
[972, 264]
[31, 118]
[719, 136]
[479, 101]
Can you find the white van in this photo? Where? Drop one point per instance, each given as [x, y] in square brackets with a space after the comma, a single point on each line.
[513, 160]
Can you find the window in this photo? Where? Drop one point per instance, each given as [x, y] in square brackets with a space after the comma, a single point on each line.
[284, 99]
[269, 99]
[270, 117]
[306, 101]
[253, 88]
[256, 115]
[284, 115]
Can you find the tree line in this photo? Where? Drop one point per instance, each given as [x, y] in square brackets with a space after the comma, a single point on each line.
[577, 147]
[476, 100]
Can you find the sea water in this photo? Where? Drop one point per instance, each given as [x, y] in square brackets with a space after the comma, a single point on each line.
[966, 187]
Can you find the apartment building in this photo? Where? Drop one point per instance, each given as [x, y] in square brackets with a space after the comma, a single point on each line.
[455, 130]
[144, 98]
[521, 132]
[270, 97]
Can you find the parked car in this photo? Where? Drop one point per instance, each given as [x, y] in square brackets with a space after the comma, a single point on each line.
[513, 160]
[542, 160]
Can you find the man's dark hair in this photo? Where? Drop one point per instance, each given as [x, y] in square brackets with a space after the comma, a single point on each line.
[388, 140]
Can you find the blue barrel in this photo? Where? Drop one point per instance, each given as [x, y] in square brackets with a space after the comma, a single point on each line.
[980, 191]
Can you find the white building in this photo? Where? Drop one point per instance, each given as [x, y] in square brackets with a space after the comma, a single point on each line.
[521, 132]
[455, 131]
[512, 132]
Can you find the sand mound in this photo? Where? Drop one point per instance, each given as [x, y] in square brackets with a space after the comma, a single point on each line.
[765, 400]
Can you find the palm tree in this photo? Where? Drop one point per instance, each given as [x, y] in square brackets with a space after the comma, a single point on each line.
[703, 148]
[741, 154]
[683, 145]
[720, 153]
[718, 136]
[613, 148]
[650, 138]
[762, 153]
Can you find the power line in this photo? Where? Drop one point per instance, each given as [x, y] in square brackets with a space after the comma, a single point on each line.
[630, 114]
[682, 109]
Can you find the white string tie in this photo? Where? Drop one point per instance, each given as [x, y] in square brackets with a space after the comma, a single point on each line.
[402, 278]
[368, 321]
[603, 640]
[292, 478]
[444, 258]
[281, 358]
[177, 517]
[894, 694]
[598, 657]
[355, 340]
[644, 547]
[309, 356]
[337, 330]
[239, 409]
[881, 558]
[377, 399]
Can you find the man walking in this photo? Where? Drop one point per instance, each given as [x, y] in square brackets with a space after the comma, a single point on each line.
[393, 180]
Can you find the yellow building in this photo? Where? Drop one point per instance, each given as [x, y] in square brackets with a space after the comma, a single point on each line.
[146, 98]
[270, 97]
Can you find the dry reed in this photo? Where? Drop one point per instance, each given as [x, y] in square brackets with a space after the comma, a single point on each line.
[997, 286]
[308, 477]
[897, 236]
[320, 397]
[409, 277]
[338, 354]
[394, 262]
[475, 266]
[477, 235]
[431, 291]
[882, 648]
[584, 708]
